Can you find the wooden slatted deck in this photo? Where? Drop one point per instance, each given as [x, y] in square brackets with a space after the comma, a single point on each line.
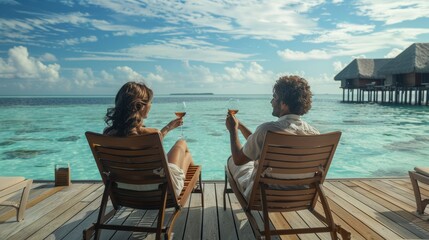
[368, 208]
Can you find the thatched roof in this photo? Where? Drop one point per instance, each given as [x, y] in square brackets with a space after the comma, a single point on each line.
[413, 59]
[363, 68]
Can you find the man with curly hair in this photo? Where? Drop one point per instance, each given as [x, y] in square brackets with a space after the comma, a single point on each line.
[291, 99]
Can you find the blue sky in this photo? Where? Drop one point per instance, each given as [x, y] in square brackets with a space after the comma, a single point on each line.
[92, 47]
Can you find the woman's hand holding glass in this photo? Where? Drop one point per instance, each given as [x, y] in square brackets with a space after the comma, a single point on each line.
[175, 123]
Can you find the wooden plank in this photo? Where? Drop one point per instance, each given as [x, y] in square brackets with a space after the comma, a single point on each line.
[93, 203]
[424, 188]
[89, 217]
[313, 221]
[375, 220]
[52, 220]
[392, 192]
[242, 225]
[194, 223]
[37, 195]
[279, 222]
[180, 225]
[33, 214]
[226, 220]
[407, 188]
[362, 206]
[259, 219]
[352, 206]
[395, 191]
[210, 217]
[346, 221]
[118, 219]
[297, 222]
[149, 220]
[132, 220]
[397, 223]
[35, 189]
[411, 221]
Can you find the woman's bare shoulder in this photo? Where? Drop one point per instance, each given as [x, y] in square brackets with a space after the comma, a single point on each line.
[149, 130]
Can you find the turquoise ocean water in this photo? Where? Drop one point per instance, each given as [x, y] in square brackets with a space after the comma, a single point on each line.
[377, 141]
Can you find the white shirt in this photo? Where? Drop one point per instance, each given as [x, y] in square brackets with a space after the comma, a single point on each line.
[290, 123]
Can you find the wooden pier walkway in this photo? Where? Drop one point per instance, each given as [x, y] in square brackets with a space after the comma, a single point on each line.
[368, 208]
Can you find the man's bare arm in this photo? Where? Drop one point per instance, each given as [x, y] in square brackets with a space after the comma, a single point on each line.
[244, 130]
[236, 149]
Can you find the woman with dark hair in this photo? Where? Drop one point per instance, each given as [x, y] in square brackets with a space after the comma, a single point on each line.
[132, 105]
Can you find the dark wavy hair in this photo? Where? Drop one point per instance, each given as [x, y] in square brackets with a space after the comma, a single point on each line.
[125, 118]
[295, 92]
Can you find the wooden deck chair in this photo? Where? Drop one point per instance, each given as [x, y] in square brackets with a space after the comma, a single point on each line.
[136, 161]
[11, 185]
[420, 174]
[289, 177]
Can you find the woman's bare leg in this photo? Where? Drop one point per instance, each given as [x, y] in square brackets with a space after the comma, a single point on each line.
[180, 155]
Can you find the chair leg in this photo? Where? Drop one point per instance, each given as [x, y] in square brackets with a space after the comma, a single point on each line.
[421, 205]
[161, 214]
[327, 211]
[102, 211]
[24, 199]
[201, 191]
[265, 212]
[224, 190]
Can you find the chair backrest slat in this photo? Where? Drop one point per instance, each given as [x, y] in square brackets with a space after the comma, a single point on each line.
[136, 166]
[298, 151]
[143, 151]
[289, 169]
[130, 159]
[294, 164]
[135, 161]
[303, 157]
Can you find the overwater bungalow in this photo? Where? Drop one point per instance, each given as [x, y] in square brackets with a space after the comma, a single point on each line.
[359, 77]
[401, 80]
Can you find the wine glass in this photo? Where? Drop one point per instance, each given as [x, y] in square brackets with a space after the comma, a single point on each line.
[180, 112]
[233, 106]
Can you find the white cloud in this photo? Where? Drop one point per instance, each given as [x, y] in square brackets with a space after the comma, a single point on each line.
[343, 42]
[128, 74]
[254, 73]
[187, 48]
[393, 53]
[48, 57]
[75, 41]
[158, 76]
[235, 73]
[343, 32]
[105, 76]
[10, 2]
[257, 74]
[69, 3]
[288, 54]
[84, 77]
[279, 20]
[391, 12]
[20, 65]
[338, 66]
[54, 23]
[197, 77]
